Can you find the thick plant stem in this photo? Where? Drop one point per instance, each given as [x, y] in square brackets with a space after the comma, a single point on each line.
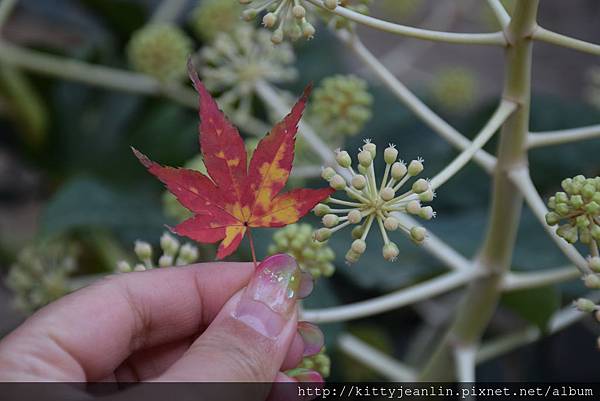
[496, 254]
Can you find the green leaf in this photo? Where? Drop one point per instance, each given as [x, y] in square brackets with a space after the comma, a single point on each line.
[536, 305]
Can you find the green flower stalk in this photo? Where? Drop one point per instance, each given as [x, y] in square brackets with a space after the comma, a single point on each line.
[161, 51]
[576, 211]
[338, 22]
[41, 274]
[312, 256]
[455, 89]
[210, 17]
[372, 203]
[173, 254]
[236, 61]
[341, 105]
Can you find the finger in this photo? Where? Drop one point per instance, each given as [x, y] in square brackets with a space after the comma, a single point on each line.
[88, 334]
[250, 337]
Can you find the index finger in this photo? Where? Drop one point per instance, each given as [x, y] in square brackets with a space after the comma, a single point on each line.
[87, 334]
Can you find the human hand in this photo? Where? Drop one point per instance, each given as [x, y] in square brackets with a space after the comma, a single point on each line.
[207, 322]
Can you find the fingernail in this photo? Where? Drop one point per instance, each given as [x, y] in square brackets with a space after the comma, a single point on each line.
[270, 298]
[305, 375]
[313, 338]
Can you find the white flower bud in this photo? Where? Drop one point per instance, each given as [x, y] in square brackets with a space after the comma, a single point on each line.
[123, 266]
[359, 246]
[277, 36]
[330, 4]
[337, 182]
[585, 305]
[415, 168]
[595, 263]
[391, 223]
[371, 148]
[387, 194]
[308, 30]
[420, 186]
[418, 234]
[427, 196]
[327, 173]
[165, 261]
[398, 170]
[298, 11]
[269, 20]
[390, 155]
[330, 220]
[169, 244]
[321, 209]
[426, 213]
[352, 257]
[354, 217]
[359, 182]
[343, 159]
[365, 158]
[143, 250]
[413, 207]
[592, 281]
[188, 253]
[322, 234]
[390, 252]
[139, 268]
[249, 14]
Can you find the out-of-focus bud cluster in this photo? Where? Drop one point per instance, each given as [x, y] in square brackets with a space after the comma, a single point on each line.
[233, 64]
[376, 203]
[173, 254]
[576, 211]
[341, 105]
[211, 17]
[41, 274]
[320, 363]
[161, 51]
[312, 256]
[455, 89]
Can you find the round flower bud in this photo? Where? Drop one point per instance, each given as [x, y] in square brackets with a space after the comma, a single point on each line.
[420, 186]
[277, 36]
[398, 170]
[387, 194]
[585, 305]
[354, 217]
[330, 220]
[359, 246]
[139, 268]
[588, 191]
[371, 148]
[365, 158]
[352, 257]
[188, 253]
[328, 173]
[390, 154]
[165, 261]
[595, 232]
[308, 31]
[298, 11]
[418, 234]
[390, 252]
[415, 168]
[269, 20]
[321, 209]
[337, 182]
[391, 223]
[359, 182]
[330, 4]
[595, 263]
[552, 218]
[592, 208]
[357, 232]
[426, 213]
[143, 250]
[322, 234]
[343, 159]
[427, 196]
[249, 14]
[123, 266]
[362, 169]
[413, 207]
[169, 244]
[568, 233]
[592, 281]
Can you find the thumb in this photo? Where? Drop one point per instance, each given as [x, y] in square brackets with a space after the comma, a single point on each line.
[251, 335]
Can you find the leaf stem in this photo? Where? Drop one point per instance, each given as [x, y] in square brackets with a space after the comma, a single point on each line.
[252, 247]
[554, 38]
[537, 139]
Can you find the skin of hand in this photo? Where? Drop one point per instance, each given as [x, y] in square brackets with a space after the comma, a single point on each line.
[209, 322]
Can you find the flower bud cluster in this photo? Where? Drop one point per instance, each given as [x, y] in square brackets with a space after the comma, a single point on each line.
[342, 105]
[173, 254]
[41, 274]
[576, 211]
[161, 51]
[286, 18]
[312, 256]
[237, 60]
[211, 17]
[320, 363]
[370, 202]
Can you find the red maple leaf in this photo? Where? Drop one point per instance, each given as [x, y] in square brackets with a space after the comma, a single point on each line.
[237, 196]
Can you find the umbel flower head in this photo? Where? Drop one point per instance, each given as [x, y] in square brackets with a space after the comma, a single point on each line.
[576, 211]
[160, 50]
[312, 256]
[213, 16]
[236, 61]
[342, 105]
[287, 18]
[173, 254]
[455, 88]
[375, 203]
